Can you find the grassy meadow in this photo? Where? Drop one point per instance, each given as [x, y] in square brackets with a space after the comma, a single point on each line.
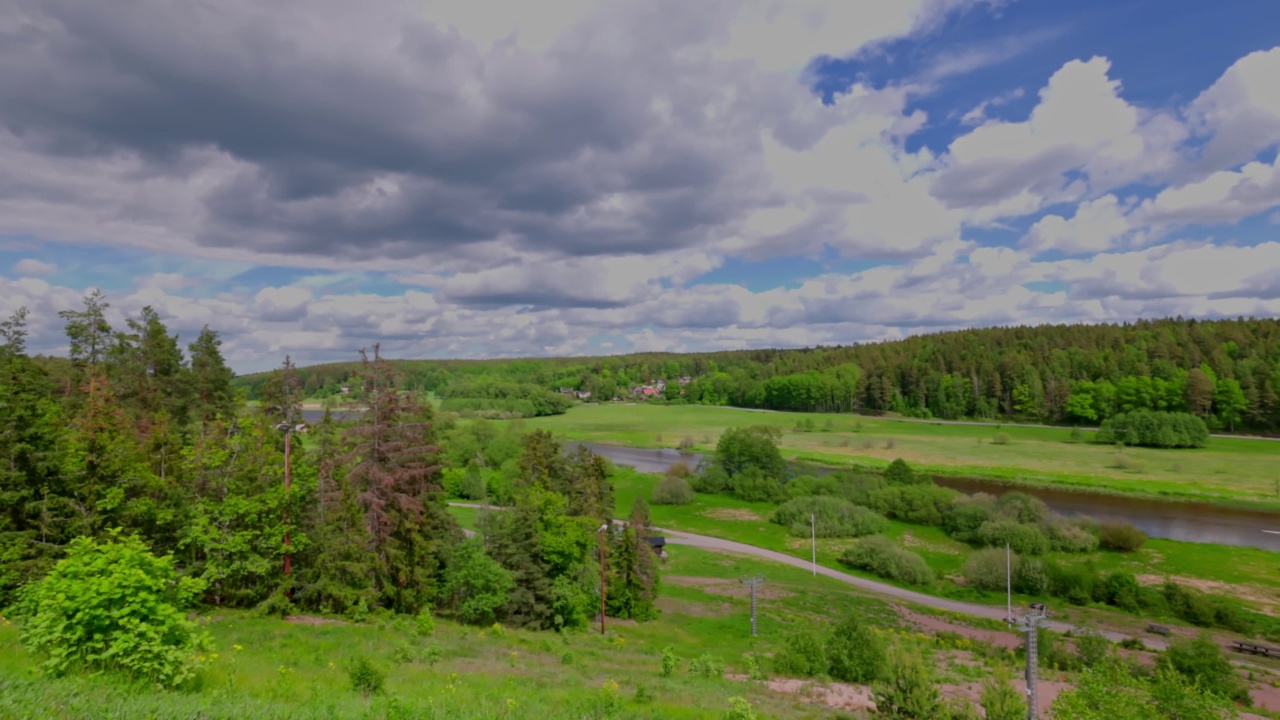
[1229, 470]
[1248, 574]
[269, 668]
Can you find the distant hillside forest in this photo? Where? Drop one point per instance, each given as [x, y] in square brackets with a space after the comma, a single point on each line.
[1225, 371]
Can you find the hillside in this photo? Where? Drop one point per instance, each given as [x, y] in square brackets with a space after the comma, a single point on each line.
[1223, 370]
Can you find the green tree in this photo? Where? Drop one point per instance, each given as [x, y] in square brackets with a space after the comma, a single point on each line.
[88, 330]
[210, 378]
[909, 692]
[633, 582]
[1229, 402]
[1203, 663]
[855, 652]
[743, 449]
[1000, 700]
[149, 370]
[476, 585]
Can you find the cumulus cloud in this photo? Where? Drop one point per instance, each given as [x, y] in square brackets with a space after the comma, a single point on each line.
[1240, 112]
[30, 267]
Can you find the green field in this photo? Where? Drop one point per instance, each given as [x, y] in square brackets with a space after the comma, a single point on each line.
[269, 668]
[1233, 470]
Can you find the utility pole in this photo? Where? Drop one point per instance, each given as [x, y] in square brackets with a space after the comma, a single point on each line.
[1008, 579]
[813, 536]
[288, 429]
[600, 532]
[1030, 623]
[753, 583]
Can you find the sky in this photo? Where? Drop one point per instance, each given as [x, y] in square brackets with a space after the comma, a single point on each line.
[499, 178]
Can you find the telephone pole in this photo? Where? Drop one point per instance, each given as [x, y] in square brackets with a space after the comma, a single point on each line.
[813, 537]
[600, 532]
[753, 583]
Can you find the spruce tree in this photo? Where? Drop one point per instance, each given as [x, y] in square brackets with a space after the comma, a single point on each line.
[212, 395]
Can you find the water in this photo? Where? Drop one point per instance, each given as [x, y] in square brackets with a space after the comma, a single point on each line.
[1186, 521]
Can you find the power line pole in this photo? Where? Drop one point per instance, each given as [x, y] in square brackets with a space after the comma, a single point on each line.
[1008, 579]
[1030, 623]
[813, 536]
[753, 583]
[601, 532]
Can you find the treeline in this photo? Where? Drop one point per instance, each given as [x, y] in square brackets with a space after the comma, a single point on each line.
[130, 437]
[1227, 372]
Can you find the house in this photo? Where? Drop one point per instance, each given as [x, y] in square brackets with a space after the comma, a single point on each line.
[684, 380]
[346, 390]
[584, 394]
[658, 544]
[649, 391]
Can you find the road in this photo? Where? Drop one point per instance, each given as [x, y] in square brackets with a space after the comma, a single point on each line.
[676, 537]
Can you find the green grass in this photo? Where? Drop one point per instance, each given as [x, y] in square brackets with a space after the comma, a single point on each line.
[1251, 575]
[1234, 470]
[268, 668]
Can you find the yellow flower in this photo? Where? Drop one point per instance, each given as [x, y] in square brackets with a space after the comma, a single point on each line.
[214, 656]
[236, 647]
[330, 666]
[511, 704]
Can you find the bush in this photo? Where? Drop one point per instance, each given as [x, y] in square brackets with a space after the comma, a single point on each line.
[473, 485]
[670, 661]
[476, 584]
[1030, 577]
[753, 485]
[1157, 429]
[855, 652]
[713, 479]
[1122, 536]
[679, 469]
[1066, 537]
[802, 653]
[686, 444]
[1023, 539]
[1092, 648]
[425, 623]
[672, 490]
[706, 665]
[1077, 435]
[920, 504]
[1021, 507]
[739, 709]
[988, 570]
[882, 557]
[833, 517]
[900, 473]
[1073, 583]
[366, 678]
[968, 513]
[112, 606]
[403, 653]
[1000, 439]
[1201, 661]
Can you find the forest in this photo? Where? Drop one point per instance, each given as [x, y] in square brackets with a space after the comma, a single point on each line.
[1227, 372]
[133, 438]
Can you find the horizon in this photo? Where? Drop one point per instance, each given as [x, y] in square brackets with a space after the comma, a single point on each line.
[490, 181]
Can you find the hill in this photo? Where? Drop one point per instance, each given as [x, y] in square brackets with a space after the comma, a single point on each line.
[1225, 371]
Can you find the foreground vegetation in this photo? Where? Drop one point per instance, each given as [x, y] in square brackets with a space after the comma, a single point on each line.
[1228, 470]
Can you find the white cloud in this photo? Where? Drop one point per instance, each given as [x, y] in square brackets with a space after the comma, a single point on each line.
[1240, 113]
[1222, 197]
[30, 267]
[1097, 225]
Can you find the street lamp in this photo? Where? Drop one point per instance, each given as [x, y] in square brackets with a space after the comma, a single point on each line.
[288, 429]
[600, 532]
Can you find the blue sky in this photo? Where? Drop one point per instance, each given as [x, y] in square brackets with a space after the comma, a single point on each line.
[488, 179]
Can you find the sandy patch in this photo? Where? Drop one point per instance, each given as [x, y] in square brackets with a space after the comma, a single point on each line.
[732, 514]
[934, 625]
[1244, 592]
[312, 620]
[692, 609]
[910, 540]
[840, 696]
[726, 588]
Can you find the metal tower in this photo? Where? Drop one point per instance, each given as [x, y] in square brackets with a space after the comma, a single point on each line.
[753, 583]
[1029, 624]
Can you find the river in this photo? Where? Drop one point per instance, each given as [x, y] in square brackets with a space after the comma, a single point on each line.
[1186, 521]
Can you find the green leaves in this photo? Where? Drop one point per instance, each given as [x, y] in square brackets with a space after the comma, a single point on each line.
[113, 606]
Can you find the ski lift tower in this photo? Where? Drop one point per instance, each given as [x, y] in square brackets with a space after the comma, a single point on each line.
[1030, 623]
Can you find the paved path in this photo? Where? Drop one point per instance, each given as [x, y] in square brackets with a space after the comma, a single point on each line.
[991, 612]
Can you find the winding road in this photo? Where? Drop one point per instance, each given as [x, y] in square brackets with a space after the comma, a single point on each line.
[677, 537]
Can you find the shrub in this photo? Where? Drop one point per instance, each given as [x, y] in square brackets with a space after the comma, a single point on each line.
[1121, 589]
[366, 678]
[433, 654]
[1201, 661]
[473, 485]
[1030, 577]
[112, 606]
[403, 653]
[855, 652]
[753, 485]
[679, 469]
[988, 569]
[910, 691]
[1077, 435]
[802, 653]
[739, 709]
[968, 513]
[754, 671]
[1000, 439]
[1073, 583]
[1092, 647]
[686, 444]
[1122, 536]
[713, 479]
[1021, 507]
[833, 517]
[706, 665]
[1158, 429]
[670, 661]
[920, 504]
[882, 557]
[672, 490]
[1000, 700]
[900, 473]
[1066, 537]
[642, 695]
[1023, 539]
[476, 583]
[425, 622]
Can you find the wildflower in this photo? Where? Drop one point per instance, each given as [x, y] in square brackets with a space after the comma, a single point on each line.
[236, 647]
[511, 705]
[330, 666]
[213, 656]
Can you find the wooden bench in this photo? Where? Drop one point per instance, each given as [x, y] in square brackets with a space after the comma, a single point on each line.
[1255, 648]
[1158, 630]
